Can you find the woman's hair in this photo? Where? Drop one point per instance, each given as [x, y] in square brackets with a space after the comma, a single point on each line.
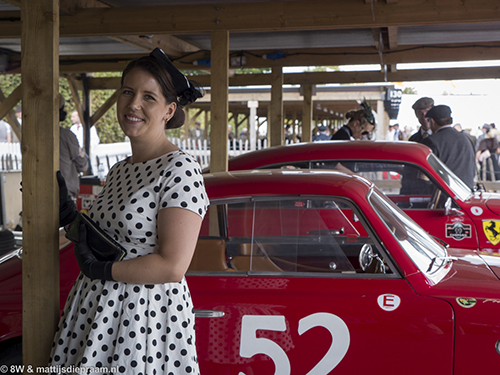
[359, 115]
[151, 65]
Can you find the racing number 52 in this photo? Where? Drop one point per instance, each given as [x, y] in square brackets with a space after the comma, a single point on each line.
[251, 345]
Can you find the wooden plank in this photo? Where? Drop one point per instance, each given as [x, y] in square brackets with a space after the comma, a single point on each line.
[6, 109]
[40, 130]
[219, 107]
[307, 113]
[274, 16]
[392, 35]
[74, 94]
[104, 108]
[275, 131]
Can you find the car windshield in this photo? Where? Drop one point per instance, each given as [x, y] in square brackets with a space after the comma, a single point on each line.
[461, 190]
[427, 254]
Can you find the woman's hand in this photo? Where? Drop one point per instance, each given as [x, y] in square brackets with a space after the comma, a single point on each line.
[89, 265]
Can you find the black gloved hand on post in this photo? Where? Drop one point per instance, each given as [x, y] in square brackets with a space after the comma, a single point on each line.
[67, 208]
[88, 263]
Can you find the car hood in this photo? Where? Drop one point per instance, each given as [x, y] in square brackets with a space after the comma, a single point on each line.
[472, 274]
[492, 202]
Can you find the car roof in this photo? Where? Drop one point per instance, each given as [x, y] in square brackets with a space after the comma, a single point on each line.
[410, 152]
[285, 182]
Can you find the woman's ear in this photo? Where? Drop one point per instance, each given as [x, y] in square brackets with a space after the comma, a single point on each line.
[171, 108]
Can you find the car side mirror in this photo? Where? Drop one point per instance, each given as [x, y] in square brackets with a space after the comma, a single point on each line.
[365, 257]
[449, 210]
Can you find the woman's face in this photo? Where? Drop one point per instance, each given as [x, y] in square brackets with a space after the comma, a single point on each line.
[357, 129]
[141, 107]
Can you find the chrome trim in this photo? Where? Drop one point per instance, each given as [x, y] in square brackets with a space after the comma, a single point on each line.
[208, 313]
[14, 253]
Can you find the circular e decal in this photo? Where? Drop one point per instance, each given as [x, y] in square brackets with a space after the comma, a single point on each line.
[388, 302]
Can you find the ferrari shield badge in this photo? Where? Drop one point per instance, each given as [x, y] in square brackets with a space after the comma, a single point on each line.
[492, 230]
[466, 302]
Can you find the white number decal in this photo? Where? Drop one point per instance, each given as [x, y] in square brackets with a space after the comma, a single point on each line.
[340, 340]
[251, 345]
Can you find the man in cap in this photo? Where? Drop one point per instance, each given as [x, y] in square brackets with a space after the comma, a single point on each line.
[321, 136]
[453, 148]
[421, 107]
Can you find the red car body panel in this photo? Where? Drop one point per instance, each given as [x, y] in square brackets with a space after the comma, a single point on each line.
[479, 209]
[345, 324]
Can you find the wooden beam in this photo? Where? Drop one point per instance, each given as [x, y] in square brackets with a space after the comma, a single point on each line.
[392, 35]
[272, 16]
[104, 108]
[6, 109]
[40, 131]
[307, 113]
[275, 131]
[74, 94]
[171, 45]
[113, 83]
[219, 101]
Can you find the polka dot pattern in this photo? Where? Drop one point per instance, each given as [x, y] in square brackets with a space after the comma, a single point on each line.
[140, 329]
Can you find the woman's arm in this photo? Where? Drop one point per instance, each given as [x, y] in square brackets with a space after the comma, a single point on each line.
[178, 231]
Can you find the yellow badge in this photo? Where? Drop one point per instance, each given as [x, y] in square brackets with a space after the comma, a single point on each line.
[466, 302]
[492, 230]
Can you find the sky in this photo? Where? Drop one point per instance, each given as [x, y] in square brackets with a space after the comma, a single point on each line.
[472, 102]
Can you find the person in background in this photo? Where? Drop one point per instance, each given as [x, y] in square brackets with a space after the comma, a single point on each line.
[5, 132]
[421, 107]
[137, 314]
[398, 134]
[72, 158]
[243, 136]
[453, 148]
[495, 131]
[197, 133]
[359, 122]
[322, 135]
[487, 153]
[19, 115]
[484, 129]
[390, 133]
[230, 133]
[77, 129]
[458, 128]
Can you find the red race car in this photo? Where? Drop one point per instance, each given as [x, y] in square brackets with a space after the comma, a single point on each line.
[410, 175]
[318, 272]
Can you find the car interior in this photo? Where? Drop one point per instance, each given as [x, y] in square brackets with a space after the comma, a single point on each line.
[286, 235]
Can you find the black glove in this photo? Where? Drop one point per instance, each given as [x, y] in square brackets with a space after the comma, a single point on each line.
[89, 265]
[67, 208]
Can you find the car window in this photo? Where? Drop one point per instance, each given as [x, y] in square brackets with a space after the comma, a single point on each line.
[283, 235]
[407, 185]
[426, 253]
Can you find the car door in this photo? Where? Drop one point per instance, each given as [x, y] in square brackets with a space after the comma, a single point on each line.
[288, 295]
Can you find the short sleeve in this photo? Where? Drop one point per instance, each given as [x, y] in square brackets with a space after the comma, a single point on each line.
[183, 185]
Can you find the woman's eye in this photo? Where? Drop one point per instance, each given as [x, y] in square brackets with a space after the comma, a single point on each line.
[149, 97]
[127, 92]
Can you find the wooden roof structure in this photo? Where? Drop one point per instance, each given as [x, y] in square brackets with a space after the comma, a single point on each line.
[44, 39]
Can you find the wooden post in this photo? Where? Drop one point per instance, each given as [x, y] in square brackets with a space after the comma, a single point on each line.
[307, 113]
[40, 131]
[219, 106]
[275, 130]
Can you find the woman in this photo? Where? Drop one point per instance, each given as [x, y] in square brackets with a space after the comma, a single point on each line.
[361, 123]
[135, 316]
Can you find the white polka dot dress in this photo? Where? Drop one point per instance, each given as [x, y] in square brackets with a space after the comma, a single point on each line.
[135, 329]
